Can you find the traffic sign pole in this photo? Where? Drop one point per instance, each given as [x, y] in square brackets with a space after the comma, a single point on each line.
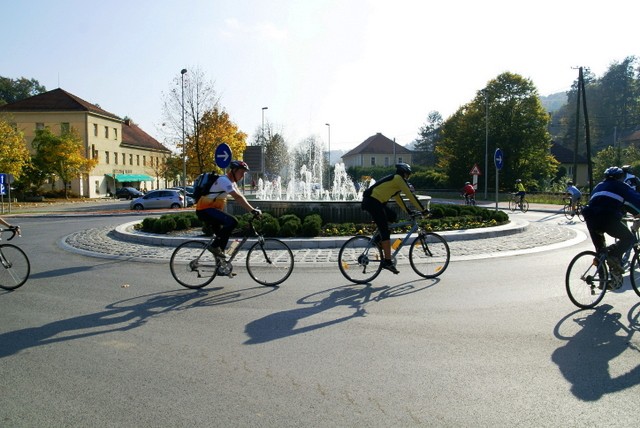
[498, 159]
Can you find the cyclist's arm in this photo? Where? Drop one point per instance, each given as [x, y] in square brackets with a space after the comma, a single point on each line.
[239, 198]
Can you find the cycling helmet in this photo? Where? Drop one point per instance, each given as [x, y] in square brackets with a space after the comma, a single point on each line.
[614, 172]
[238, 164]
[626, 168]
[466, 183]
[403, 168]
[569, 183]
[518, 180]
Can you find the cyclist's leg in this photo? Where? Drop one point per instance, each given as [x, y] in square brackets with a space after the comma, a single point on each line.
[380, 214]
[224, 223]
[619, 230]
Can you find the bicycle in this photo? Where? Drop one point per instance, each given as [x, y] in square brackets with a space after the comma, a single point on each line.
[360, 257]
[588, 277]
[269, 261]
[515, 202]
[469, 199]
[569, 211]
[14, 262]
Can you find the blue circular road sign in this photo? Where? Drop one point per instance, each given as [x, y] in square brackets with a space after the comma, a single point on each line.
[223, 155]
[498, 159]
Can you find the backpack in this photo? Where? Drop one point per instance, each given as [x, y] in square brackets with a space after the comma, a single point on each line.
[203, 184]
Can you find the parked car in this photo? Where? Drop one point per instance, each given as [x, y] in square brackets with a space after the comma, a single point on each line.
[166, 198]
[128, 193]
[189, 190]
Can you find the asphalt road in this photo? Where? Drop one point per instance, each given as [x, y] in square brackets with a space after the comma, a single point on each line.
[493, 342]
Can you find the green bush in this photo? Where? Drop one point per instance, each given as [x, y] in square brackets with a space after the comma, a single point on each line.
[290, 225]
[312, 225]
[268, 225]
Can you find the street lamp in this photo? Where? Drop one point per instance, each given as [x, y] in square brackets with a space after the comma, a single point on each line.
[329, 156]
[184, 151]
[486, 144]
[262, 142]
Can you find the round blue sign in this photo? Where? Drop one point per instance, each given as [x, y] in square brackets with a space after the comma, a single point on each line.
[223, 155]
[498, 159]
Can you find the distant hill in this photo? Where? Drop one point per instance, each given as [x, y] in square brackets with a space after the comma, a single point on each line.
[553, 102]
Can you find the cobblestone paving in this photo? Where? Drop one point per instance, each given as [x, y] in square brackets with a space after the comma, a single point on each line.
[101, 242]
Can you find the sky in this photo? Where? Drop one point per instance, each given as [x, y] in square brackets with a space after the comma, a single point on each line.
[363, 66]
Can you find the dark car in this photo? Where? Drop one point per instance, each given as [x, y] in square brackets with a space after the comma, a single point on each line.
[128, 193]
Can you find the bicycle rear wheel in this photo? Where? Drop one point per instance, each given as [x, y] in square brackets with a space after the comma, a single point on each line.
[192, 265]
[579, 212]
[586, 280]
[15, 267]
[429, 255]
[359, 260]
[568, 212]
[524, 207]
[269, 262]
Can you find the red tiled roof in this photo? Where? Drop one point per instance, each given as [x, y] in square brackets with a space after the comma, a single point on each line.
[55, 100]
[378, 144]
[132, 135]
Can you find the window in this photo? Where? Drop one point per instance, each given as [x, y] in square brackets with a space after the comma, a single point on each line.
[144, 161]
[138, 160]
[130, 159]
[106, 132]
[386, 161]
[400, 159]
[65, 128]
[123, 159]
[373, 161]
[95, 129]
[115, 133]
[106, 157]
[115, 157]
[39, 126]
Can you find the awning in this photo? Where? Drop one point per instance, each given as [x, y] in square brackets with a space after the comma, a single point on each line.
[130, 177]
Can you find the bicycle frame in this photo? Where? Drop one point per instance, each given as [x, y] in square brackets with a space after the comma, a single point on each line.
[414, 228]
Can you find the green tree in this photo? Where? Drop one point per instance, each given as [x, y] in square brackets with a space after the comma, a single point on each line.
[276, 150]
[517, 125]
[14, 156]
[63, 156]
[12, 90]
[428, 137]
[610, 156]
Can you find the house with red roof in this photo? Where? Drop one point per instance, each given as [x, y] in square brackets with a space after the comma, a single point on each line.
[377, 150]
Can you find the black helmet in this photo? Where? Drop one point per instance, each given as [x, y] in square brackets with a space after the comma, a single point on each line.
[403, 168]
[614, 172]
[626, 168]
[238, 164]
[569, 183]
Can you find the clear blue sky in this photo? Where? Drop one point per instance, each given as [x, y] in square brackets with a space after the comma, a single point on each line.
[364, 66]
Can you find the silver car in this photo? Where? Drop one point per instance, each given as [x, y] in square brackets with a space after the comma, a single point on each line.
[157, 199]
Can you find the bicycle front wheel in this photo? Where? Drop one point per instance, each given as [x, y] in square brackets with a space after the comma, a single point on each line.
[15, 267]
[513, 205]
[568, 212]
[429, 255]
[524, 207]
[359, 260]
[586, 280]
[269, 262]
[192, 265]
[634, 272]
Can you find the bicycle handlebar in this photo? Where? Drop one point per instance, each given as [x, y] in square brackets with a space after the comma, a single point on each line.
[15, 230]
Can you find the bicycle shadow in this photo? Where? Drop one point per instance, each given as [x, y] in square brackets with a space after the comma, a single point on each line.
[585, 359]
[120, 316]
[353, 297]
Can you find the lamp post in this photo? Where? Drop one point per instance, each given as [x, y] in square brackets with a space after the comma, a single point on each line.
[262, 142]
[184, 150]
[486, 144]
[329, 156]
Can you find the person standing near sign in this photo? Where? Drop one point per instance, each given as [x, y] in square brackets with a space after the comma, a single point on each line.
[210, 207]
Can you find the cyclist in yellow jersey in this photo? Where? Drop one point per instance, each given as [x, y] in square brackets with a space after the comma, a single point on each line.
[210, 207]
[375, 200]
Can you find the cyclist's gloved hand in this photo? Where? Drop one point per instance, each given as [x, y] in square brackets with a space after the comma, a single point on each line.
[426, 211]
[256, 212]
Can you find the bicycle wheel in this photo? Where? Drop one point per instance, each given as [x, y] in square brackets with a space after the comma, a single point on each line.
[429, 255]
[579, 212]
[359, 260]
[269, 262]
[513, 205]
[524, 207]
[586, 280]
[15, 267]
[568, 212]
[192, 265]
[634, 272]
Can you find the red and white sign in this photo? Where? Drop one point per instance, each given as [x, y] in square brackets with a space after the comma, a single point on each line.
[475, 170]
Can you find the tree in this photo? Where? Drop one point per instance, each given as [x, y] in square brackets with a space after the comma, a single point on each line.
[517, 125]
[12, 90]
[428, 136]
[276, 150]
[14, 156]
[63, 156]
[199, 97]
[215, 128]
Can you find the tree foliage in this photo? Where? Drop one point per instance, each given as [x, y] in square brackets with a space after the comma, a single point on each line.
[517, 125]
[12, 90]
[276, 149]
[428, 137]
[63, 156]
[14, 156]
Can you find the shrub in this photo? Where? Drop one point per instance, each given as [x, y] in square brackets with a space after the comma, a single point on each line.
[312, 225]
[290, 225]
[268, 225]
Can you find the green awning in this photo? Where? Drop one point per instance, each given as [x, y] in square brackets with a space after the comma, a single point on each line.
[130, 177]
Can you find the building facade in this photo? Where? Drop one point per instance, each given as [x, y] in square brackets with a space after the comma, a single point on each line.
[377, 150]
[127, 156]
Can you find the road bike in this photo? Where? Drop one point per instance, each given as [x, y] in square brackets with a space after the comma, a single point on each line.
[516, 203]
[588, 277]
[15, 268]
[569, 211]
[360, 257]
[469, 199]
[269, 261]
